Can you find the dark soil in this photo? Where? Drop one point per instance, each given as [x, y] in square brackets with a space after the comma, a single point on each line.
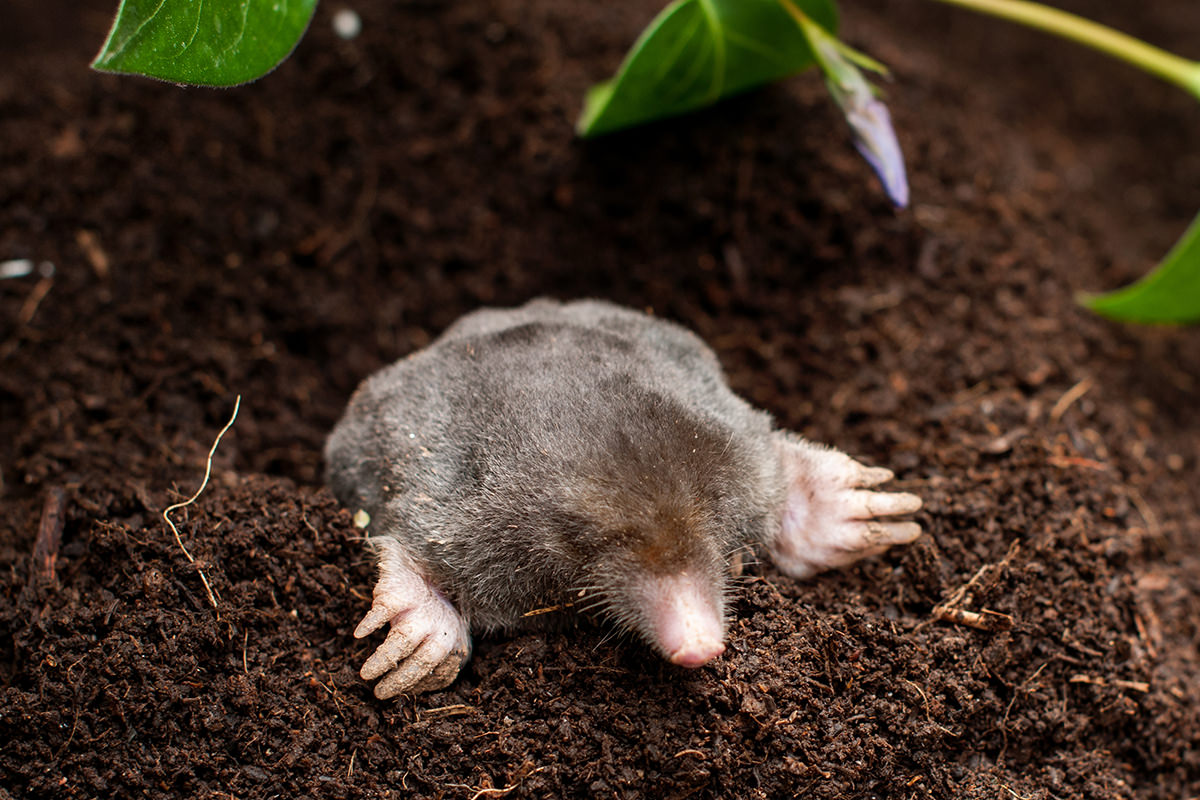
[283, 240]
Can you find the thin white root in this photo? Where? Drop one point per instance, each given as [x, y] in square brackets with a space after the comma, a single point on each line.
[166, 514]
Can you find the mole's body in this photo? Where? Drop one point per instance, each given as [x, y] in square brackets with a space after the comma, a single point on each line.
[580, 455]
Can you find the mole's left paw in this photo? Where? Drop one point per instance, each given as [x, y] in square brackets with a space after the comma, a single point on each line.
[429, 641]
[830, 517]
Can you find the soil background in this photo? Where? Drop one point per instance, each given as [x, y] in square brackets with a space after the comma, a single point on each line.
[283, 240]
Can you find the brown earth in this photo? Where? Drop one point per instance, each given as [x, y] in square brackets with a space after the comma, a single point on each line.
[283, 240]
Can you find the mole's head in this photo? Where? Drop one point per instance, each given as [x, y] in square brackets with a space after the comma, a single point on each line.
[665, 504]
[663, 575]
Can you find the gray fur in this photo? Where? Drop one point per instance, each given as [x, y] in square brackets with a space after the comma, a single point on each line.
[532, 454]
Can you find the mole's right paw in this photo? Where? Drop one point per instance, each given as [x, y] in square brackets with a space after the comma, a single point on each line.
[831, 516]
[429, 641]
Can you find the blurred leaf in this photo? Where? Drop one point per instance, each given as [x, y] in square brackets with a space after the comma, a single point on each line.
[213, 43]
[697, 52]
[1169, 294]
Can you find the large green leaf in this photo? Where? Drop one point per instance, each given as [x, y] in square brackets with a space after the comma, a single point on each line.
[1169, 294]
[699, 51]
[206, 42]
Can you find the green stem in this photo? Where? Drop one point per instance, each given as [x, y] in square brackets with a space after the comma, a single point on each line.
[1168, 66]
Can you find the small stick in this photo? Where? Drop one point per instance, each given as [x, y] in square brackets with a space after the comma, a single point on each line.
[961, 591]
[547, 610]
[1135, 686]
[49, 537]
[494, 792]
[448, 711]
[499, 792]
[1070, 396]
[985, 620]
[25, 316]
[690, 752]
[1071, 462]
[207, 472]
[1152, 523]
[490, 792]
[36, 295]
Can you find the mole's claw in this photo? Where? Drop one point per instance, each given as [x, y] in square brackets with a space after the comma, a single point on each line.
[901, 532]
[429, 640]
[374, 620]
[399, 645]
[829, 519]
[871, 476]
[431, 666]
[444, 673]
[864, 505]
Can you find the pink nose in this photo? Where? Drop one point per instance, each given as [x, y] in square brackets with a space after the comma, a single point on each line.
[697, 653]
[684, 616]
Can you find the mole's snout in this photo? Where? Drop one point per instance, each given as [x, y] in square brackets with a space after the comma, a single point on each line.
[698, 653]
[686, 619]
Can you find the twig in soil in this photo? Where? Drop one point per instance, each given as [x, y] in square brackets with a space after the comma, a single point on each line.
[1133, 686]
[1070, 396]
[490, 792]
[961, 592]
[332, 692]
[350, 769]
[547, 610]
[447, 711]
[1012, 702]
[689, 752]
[166, 514]
[70, 738]
[521, 774]
[986, 619]
[49, 536]
[25, 316]
[1151, 519]
[928, 715]
[1072, 462]
[36, 295]
[89, 243]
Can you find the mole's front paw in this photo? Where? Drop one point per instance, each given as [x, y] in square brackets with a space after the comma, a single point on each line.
[830, 518]
[429, 641]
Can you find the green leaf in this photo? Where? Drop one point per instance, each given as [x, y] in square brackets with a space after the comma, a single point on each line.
[1169, 294]
[205, 42]
[697, 52]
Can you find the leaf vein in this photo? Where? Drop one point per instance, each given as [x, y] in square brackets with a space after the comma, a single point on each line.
[718, 42]
[758, 48]
[137, 32]
[671, 59]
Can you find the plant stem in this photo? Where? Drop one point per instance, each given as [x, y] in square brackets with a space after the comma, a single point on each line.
[1168, 66]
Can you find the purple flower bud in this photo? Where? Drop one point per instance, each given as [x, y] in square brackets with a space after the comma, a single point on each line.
[876, 141]
[868, 116]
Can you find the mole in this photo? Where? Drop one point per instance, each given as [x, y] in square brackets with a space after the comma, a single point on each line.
[580, 458]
